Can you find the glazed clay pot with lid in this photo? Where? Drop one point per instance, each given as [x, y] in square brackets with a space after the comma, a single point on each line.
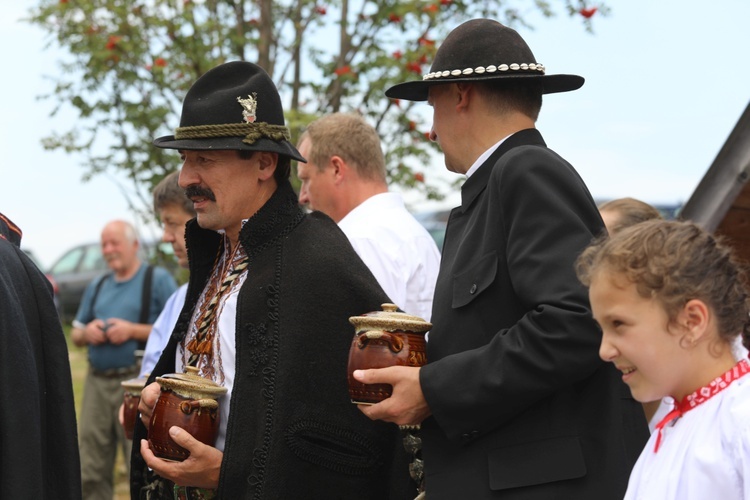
[189, 401]
[382, 339]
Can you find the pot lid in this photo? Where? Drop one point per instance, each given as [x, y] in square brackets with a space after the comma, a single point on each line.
[191, 382]
[134, 384]
[389, 319]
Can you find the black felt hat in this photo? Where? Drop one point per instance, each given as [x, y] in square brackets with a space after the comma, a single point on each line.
[483, 50]
[233, 106]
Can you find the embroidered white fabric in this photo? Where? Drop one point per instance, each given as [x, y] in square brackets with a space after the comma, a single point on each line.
[704, 454]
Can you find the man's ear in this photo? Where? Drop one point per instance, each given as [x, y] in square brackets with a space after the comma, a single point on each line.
[340, 169]
[267, 162]
[465, 94]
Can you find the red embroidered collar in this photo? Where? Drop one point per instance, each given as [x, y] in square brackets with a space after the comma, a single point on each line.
[702, 395]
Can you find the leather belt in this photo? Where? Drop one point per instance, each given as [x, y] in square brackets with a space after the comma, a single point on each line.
[116, 372]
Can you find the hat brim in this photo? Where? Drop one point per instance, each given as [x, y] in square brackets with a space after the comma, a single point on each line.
[230, 143]
[418, 90]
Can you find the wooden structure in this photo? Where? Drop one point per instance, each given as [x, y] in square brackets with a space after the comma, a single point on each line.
[721, 202]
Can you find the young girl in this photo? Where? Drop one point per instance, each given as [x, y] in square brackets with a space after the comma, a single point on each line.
[671, 301]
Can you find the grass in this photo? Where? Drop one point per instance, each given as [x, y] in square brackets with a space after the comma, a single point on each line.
[78, 368]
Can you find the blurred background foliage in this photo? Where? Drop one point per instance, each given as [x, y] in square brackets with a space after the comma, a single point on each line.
[129, 63]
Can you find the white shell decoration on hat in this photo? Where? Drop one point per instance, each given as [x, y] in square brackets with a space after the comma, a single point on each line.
[485, 69]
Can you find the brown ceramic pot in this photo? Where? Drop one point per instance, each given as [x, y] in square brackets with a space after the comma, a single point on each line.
[130, 399]
[189, 401]
[382, 339]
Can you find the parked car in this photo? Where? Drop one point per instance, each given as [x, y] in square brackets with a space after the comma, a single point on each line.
[434, 221]
[35, 260]
[73, 271]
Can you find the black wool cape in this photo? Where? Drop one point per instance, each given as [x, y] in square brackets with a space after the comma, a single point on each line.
[292, 431]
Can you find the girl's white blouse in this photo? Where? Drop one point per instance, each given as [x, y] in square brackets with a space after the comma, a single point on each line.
[704, 455]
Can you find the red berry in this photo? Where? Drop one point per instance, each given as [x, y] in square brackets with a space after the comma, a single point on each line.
[343, 70]
[414, 67]
[587, 13]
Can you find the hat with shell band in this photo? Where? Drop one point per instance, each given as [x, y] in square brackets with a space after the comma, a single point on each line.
[233, 106]
[483, 50]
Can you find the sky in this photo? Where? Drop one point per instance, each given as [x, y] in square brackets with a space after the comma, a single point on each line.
[666, 82]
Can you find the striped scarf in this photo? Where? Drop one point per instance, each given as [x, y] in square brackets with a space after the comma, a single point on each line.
[202, 344]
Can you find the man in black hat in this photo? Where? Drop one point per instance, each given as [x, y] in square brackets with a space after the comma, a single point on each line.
[514, 401]
[266, 316]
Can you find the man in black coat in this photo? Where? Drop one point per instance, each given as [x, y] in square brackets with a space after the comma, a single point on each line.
[266, 316]
[38, 437]
[514, 401]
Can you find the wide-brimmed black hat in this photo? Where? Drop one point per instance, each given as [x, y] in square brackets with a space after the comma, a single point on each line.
[232, 106]
[483, 50]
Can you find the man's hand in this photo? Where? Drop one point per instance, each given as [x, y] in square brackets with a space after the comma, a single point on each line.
[201, 469]
[94, 333]
[121, 415]
[149, 395]
[407, 405]
[119, 330]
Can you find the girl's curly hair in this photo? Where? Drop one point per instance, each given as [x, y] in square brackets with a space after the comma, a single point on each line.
[674, 262]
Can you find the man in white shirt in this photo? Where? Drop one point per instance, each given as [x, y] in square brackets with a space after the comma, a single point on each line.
[175, 210]
[345, 179]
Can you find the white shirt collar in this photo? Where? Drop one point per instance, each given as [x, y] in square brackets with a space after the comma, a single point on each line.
[483, 157]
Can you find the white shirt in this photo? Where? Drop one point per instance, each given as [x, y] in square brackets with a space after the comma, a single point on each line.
[162, 329]
[397, 249]
[705, 454]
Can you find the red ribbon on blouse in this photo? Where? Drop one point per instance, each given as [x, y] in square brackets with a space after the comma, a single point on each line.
[701, 396]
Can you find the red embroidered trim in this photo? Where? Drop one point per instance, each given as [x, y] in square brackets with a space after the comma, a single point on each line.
[702, 395]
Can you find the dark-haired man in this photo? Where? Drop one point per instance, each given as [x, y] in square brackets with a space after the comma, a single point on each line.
[266, 316]
[174, 210]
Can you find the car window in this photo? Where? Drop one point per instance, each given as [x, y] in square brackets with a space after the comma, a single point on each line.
[68, 262]
[31, 256]
[93, 259]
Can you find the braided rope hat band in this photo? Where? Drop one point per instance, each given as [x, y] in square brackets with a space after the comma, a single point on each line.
[483, 50]
[234, 106]
[250, 132]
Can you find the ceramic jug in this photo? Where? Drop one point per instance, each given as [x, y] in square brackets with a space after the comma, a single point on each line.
[382, 339]
[189, 401]
[130, 400]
